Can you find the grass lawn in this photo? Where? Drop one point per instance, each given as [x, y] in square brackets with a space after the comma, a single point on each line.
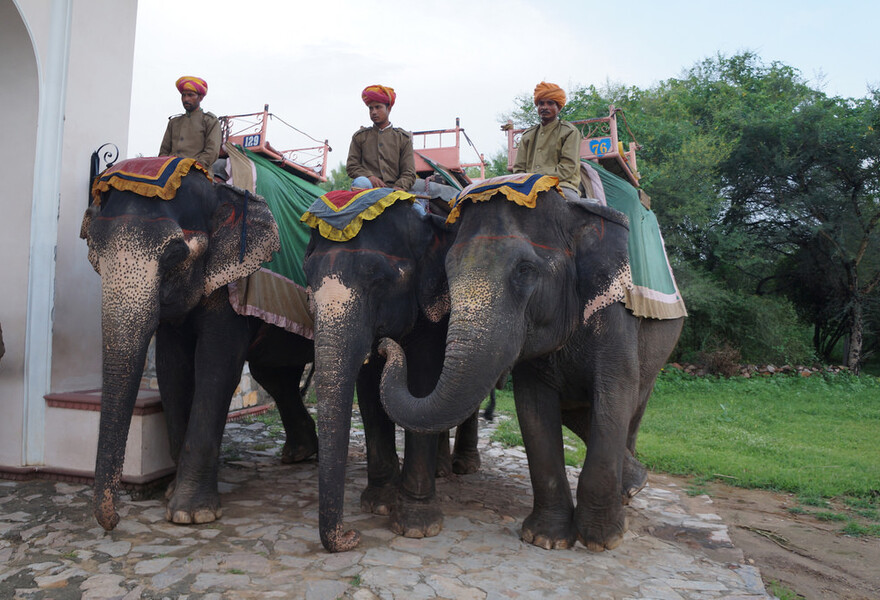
[813, 436]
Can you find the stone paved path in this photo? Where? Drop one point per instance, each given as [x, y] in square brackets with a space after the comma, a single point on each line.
[267, 546]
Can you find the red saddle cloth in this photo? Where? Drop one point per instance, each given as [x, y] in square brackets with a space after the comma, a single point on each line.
[151, 177]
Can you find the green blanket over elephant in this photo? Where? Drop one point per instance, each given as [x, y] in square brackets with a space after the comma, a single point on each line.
[654, 293]
[276, 293]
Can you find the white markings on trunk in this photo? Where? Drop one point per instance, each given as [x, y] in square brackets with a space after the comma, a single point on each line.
[332, 299]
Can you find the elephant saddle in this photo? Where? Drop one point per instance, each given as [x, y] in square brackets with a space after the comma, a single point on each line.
[522, 188]
[151, 177]
[339, 215]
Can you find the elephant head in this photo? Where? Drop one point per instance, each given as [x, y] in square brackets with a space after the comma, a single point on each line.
[521, 281]
[375, 284]
[157, 260]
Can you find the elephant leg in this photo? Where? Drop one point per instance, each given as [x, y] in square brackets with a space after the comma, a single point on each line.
[635, 475]
[600, 516]
[444, 456]
[282, 383]
[550, 524]
[175, 371]
[223, 338]
[657, 338]
[466, 456]
[383, 464]
[416, 513]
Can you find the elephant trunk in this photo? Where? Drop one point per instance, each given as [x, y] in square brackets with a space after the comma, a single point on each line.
[129, 317]
[480, 347]
[341, 346]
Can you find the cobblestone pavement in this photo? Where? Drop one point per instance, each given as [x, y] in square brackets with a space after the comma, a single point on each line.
[266, 545]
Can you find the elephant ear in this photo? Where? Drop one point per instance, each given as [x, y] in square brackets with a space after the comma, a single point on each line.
[91, 211]
[433, 288]
[240, 220]
[602, 257]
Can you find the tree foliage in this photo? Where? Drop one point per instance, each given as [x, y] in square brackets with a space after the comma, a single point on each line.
[337, 180]
[767, 192]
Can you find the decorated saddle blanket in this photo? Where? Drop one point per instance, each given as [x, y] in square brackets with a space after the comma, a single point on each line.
[522, 188]
[276, 293]
[339, 215]
[151, 177]
[654, 293]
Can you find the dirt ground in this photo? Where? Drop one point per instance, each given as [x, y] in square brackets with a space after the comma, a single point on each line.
[806, 555]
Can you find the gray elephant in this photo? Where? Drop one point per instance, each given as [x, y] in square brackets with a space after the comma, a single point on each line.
[537, 291]
[164, 267]
[387, 280]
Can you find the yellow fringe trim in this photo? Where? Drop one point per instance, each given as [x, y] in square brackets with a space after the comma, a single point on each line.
[145, 189]
[353, 228]
[543, 184]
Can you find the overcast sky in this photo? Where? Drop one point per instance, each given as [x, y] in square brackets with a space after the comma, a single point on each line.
[470, 59]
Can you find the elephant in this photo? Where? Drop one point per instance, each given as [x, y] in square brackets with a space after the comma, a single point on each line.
[536, 292]
[164, 267]
[387, 281]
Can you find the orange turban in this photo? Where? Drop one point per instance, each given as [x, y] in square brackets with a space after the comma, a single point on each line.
[379, 93]
[187, 83]
[550, 91]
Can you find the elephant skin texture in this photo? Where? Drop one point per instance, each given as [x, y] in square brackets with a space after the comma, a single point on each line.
[164, 268]
[538, 292]
[389, 280]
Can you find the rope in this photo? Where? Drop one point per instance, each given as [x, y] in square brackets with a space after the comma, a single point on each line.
[295, 129]
[626, 126]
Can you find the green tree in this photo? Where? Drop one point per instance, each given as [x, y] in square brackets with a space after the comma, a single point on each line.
[338, 179]
[806, 183]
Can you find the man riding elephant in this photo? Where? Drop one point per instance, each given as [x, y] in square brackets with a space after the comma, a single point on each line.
[381, 153]
[553, 146]
[195, 133]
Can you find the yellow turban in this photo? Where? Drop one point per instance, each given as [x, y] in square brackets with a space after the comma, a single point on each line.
[379, 93]
[550, 91]
[187, 83]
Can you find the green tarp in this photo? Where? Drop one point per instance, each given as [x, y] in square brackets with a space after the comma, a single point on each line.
[655, 293]
[288, 197]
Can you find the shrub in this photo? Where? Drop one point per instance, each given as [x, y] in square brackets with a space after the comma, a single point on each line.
[764, 329]
[724, 361]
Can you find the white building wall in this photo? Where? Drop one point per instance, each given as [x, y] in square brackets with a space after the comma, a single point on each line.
[20, 101]
[96, 111]
[94, 94]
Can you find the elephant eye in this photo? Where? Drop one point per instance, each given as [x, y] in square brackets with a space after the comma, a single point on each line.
[175, 253]
[524, 274]
[526, 268]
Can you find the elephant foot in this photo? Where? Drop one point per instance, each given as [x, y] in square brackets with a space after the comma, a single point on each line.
[294, 453]
[416, 519]
[635, 477]
[105, 511]
[169, 491]
[445, 466]
[195, 507]
[599, 534]
[549, 533]
[466, 462]
[379, 500]
[340, 540]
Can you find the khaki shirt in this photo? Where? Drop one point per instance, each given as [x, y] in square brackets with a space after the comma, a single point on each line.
[553, 149]
[385, 153]
[195, 135]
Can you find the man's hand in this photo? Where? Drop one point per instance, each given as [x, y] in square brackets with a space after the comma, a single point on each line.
[376, 182]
